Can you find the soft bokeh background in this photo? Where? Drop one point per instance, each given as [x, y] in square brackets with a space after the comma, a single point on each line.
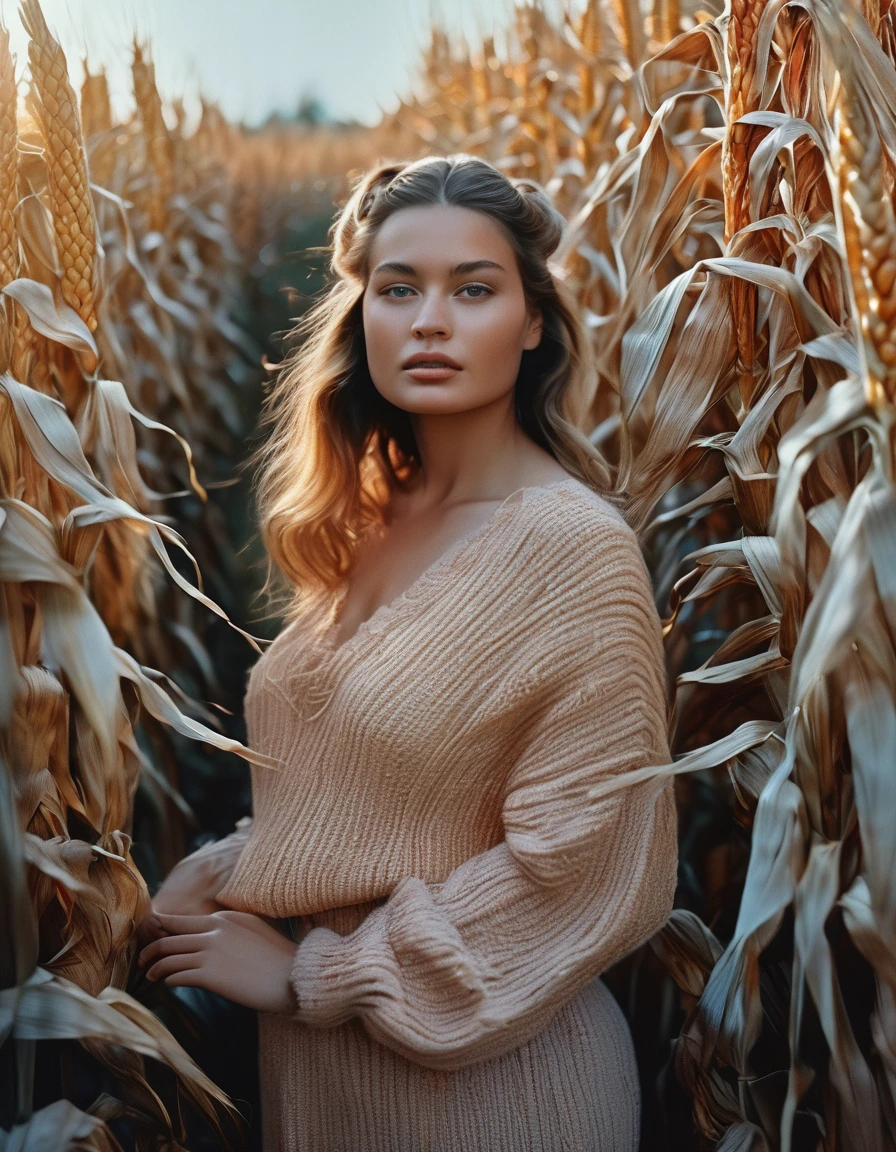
[264, 57]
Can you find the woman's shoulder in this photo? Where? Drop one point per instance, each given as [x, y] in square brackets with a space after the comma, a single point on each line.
[579, 551]
[580, 580]
[569, 519]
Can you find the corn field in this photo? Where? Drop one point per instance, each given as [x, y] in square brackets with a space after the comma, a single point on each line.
[727, 173]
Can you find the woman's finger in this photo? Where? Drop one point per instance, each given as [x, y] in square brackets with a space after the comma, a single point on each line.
[175, 924]
[169, 946]
[186, 978]
[169, 965]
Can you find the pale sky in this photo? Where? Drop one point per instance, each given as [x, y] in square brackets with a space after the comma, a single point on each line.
[254, 56]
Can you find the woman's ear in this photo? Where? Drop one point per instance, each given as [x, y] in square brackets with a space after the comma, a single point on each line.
[533, 333]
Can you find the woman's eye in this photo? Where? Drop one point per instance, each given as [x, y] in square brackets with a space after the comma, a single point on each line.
[480, 290]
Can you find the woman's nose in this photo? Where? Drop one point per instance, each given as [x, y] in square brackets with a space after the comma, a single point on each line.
[432, 318]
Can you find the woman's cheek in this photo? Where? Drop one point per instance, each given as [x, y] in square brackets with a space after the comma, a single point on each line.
[495, 339]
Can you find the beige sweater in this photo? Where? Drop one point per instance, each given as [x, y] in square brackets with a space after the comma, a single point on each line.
[431, 820]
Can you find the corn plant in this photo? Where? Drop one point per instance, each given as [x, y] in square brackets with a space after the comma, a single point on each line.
[104, 290]
[727, 177]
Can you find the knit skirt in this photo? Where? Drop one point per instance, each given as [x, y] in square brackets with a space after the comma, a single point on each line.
[572, 1088]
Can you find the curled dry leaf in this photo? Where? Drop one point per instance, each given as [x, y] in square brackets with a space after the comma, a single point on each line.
[55, 320]
[62, 1127]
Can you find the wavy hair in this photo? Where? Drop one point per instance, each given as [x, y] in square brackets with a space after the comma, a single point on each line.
[336, 448]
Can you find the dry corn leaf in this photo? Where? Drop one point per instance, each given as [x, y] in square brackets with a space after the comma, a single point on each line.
[47, 1006]
[55, 320]
[62, 1127]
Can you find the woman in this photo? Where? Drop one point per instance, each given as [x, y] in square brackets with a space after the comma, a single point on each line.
[473, 645]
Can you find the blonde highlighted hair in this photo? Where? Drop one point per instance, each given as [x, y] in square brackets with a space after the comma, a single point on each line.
[337, 449]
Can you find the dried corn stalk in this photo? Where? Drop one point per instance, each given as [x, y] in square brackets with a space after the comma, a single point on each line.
[96, 324]
[732, 242]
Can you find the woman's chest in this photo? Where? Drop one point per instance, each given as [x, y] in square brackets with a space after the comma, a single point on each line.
[430, 702]
[394, 558]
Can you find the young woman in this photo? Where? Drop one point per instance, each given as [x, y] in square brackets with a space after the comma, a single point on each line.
[473, 645]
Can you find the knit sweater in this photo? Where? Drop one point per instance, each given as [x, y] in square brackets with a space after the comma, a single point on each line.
[431, 821]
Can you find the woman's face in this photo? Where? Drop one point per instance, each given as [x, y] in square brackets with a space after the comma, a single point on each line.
[444, 281]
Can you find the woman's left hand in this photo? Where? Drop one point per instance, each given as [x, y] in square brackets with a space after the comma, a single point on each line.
[236, 954]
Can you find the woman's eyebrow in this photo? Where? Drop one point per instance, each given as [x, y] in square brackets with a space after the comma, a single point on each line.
[458, 270]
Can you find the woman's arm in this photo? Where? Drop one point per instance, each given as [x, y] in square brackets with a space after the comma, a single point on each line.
[217, 860]
[454, 973]
[199, 877]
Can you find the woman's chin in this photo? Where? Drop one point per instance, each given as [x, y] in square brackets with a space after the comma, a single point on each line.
[436, 399]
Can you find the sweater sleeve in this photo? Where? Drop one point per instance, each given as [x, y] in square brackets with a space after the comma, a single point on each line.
[220, 856]
[452, 973]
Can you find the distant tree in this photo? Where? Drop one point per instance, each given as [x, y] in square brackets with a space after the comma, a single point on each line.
[310, 110]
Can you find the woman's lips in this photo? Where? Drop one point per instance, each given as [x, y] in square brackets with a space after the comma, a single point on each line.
[443, 372]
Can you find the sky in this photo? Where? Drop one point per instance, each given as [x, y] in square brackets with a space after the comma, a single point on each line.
[257, 56]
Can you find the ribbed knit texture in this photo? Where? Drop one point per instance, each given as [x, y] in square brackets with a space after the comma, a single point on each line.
[432, 824]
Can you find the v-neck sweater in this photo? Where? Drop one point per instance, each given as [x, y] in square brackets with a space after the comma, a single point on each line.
[432, 826]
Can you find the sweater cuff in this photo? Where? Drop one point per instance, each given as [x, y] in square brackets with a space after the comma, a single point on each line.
[328, 978]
